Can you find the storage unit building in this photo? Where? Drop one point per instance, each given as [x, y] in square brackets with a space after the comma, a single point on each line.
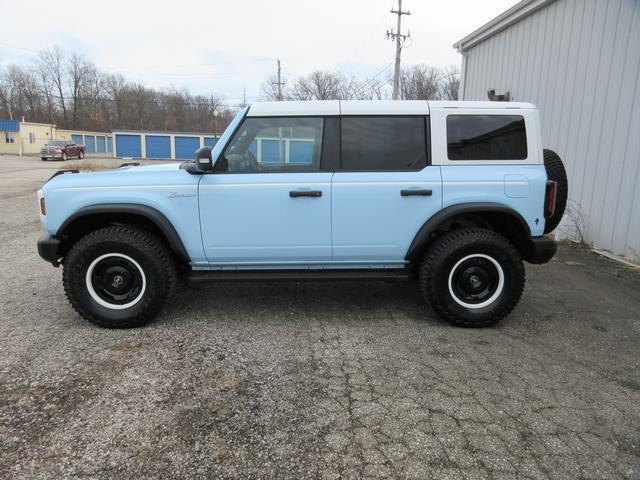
[94, 142]
[90, 143]
[28, 138]
[24, 138]
[579, 62]
[160, 145]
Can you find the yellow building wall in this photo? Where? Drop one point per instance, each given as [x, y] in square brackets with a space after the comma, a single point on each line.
[10, 148]
[34, 136]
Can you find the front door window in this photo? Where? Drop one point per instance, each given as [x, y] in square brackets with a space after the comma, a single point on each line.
[283, 144]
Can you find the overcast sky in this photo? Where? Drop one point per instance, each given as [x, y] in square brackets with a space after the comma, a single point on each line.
[223, 46]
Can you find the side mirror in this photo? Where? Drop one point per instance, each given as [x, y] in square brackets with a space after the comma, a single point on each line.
[204, 162]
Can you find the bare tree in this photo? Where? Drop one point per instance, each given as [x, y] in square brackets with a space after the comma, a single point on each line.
[79, 69]
[270, 89]
[51, 65]
[450, 83]
[419, 82]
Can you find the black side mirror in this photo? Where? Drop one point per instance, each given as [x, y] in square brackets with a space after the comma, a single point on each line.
[204, 162]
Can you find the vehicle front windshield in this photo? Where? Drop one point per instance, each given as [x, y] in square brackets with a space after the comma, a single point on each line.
[224, 139]
[57, 143]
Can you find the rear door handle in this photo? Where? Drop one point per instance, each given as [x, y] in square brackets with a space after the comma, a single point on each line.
[305, 193]
[409, 192]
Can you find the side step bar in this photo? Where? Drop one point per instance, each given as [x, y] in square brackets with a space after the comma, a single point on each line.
[300, 275]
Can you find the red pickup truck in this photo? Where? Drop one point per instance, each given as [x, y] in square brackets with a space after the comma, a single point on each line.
[61, 150]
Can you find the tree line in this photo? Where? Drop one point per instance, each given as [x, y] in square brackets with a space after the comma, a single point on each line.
[67, 89]
[417, 82]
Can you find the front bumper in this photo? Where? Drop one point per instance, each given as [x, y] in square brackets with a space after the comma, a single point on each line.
[539, 250]
[48, 249]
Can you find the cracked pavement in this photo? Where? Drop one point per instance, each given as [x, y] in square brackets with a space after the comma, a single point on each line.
[315, 380]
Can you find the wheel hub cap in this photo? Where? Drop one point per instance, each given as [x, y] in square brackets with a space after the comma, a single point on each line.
[115, 281]
[476, 281]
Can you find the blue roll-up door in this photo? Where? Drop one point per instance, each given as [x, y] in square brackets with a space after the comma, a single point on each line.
[270, 151]
[158, 146]
[210, 142]
[100, 146]
[300, 152]
[77, 139]
[90, 143]
[109, 144]
[186, 147]
[128, 146]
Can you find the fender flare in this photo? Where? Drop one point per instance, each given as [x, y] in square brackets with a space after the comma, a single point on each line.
[422, 237]
[153, 215]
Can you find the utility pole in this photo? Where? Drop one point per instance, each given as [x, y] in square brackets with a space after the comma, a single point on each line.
[279, 83]
[399, 38]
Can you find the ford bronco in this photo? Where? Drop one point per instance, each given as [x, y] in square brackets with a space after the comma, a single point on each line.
[453, 194]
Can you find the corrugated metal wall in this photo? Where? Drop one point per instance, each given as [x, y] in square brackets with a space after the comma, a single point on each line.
[579, 62]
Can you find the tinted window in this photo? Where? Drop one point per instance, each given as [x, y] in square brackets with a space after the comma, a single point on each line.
[486, 137]
[276, 144]
[383, 143]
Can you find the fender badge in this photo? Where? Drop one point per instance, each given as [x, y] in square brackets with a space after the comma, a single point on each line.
[181, 195]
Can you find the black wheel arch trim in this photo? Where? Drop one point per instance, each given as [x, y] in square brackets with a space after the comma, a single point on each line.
[150, 213]
[422, 237]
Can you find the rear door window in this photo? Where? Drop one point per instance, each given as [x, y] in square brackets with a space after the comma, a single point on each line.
[486, 137]
[383, 143]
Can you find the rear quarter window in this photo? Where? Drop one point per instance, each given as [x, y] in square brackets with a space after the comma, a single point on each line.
[486, 137]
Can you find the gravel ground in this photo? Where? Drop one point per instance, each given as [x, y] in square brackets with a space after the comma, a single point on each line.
[315, 380]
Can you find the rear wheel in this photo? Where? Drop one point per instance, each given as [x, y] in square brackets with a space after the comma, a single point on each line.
[472, 277]
[80, 154]
[119, 277]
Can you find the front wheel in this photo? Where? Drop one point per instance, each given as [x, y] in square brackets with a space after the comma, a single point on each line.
[65, 157]
[119, 277]
[472, 277]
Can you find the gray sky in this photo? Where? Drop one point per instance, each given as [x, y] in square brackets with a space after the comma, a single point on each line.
[223, 46]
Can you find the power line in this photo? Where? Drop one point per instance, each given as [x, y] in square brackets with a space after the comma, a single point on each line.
[361, 44]
[399, 38]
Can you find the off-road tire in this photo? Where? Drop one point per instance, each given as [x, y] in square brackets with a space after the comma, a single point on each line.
[442, 261]
[556, 172]
[151, 255]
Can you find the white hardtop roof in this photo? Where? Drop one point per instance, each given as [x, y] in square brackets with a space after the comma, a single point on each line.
[484, 105]
[369, 107]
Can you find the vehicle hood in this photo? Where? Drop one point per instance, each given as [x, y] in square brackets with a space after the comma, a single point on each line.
[130, 176]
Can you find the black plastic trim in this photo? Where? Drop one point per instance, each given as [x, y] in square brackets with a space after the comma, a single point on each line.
[48, 249]
[157, 218]
[62, 172]
[412, 192]
[300, 275]
[422, 237]
[540, 250]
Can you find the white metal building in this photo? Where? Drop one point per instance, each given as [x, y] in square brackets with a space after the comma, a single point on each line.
[579, 62]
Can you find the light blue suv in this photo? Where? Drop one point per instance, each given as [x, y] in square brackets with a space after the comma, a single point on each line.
[455, 194]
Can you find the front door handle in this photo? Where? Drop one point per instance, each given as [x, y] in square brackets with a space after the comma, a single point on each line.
[305, 193]
[408, 192]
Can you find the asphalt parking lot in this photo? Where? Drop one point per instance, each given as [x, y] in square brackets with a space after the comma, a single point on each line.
[315, 380]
